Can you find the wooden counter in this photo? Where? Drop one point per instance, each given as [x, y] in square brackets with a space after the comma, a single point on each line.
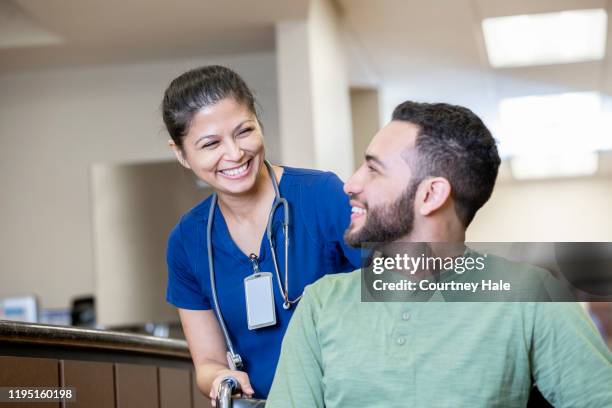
[108, 369]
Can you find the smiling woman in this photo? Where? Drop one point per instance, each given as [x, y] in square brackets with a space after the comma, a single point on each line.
[215, 250]
[223, 145]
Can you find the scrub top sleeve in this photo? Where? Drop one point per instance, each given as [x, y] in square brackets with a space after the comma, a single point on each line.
[183, 289]
[334, 216]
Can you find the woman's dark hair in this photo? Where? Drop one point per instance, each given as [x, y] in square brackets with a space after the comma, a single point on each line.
[455, 144]
[196, 89]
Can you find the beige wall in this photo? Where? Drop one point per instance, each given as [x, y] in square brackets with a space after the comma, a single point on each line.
[134, 209]
[330, 91]
[548, 210]
[294, 94]
[54, 124]
[366, 120]
[315, 112]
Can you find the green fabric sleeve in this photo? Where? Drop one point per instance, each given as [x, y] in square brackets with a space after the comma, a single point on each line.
[571, 365]
[298, 379]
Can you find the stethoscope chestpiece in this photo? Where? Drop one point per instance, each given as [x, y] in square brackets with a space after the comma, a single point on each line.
[286, 305]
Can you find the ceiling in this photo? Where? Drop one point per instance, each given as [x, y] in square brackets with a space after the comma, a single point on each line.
[406, 37]
[434, 51]
[413, 49]
[390, 40]
[102, 31]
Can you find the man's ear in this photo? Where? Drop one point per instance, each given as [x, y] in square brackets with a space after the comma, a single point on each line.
[179, 154]
[435, 192]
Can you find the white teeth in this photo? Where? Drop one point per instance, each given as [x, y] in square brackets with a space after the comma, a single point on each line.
[358, 210]
[236, 172]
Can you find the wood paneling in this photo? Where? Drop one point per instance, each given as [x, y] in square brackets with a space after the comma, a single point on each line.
[29, 372]
[94, 383]
[174, 388]
[199, 400]
[136, 386]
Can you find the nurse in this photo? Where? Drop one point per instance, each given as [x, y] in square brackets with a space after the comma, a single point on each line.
[215, 132]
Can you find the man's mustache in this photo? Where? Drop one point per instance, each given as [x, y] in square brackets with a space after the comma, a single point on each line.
[355, 197]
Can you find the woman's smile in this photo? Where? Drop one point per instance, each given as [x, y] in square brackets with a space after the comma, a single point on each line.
[237, 172]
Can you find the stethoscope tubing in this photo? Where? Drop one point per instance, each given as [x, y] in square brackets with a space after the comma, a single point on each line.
[234, 360]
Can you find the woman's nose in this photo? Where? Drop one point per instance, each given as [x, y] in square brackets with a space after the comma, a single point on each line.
[233, 152]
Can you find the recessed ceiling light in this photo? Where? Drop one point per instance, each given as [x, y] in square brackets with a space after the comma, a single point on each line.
[549, 38]
[554, 166]
[553, 135]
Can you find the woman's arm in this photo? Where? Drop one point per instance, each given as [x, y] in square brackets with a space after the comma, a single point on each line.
[208, 352]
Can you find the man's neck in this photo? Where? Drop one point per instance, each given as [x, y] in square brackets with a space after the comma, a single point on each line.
[440, 230]
[447, 240]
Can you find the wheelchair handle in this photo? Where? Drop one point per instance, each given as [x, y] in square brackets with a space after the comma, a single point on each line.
[226, 388]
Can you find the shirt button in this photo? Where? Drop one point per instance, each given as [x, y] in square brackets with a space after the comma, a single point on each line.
[406, 316]
[401, 341]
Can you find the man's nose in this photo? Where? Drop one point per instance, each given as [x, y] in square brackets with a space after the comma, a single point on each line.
[354, 184]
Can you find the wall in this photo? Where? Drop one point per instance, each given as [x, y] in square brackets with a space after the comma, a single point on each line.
[365, 120]
[54, 125]
[135, 206]
[294, 94]
[330, 91]
[315, 115]
[547, 210]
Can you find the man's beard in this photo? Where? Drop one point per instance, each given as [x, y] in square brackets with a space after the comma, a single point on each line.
[386, 223]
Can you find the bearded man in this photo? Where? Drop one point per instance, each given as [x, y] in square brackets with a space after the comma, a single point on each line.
[425, 176]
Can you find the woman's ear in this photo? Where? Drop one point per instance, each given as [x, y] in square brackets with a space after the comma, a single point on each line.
[436, 194]
[179, 154]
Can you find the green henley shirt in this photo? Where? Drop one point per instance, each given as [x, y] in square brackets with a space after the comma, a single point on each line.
[341, 352]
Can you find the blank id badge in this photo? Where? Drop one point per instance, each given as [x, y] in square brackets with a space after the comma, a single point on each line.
[259, 300]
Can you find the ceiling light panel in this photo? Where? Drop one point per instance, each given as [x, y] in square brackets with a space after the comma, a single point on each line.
[554, 135]
[543, 39]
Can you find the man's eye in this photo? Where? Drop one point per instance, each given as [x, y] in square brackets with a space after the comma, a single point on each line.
[372, 169]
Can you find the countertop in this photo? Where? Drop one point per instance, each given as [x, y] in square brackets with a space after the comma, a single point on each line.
[50, 335]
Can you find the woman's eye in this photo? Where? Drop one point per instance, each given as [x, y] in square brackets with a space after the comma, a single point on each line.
[209, 144]
[246, 131]
[372, 169]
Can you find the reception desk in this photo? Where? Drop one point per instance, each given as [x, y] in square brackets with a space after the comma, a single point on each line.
[107, 369]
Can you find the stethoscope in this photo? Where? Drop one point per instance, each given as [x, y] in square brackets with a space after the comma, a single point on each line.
[234, 360]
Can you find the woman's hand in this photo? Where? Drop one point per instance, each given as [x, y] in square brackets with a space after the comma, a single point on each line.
[208, 351]
[240, 376]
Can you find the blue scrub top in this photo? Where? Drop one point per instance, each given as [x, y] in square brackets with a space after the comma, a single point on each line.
[319, 214]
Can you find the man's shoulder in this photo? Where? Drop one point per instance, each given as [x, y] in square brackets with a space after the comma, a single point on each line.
[506, 265]
[499, 267]
[334, 288]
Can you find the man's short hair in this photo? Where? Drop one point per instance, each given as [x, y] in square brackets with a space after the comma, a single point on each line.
[455, 144]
